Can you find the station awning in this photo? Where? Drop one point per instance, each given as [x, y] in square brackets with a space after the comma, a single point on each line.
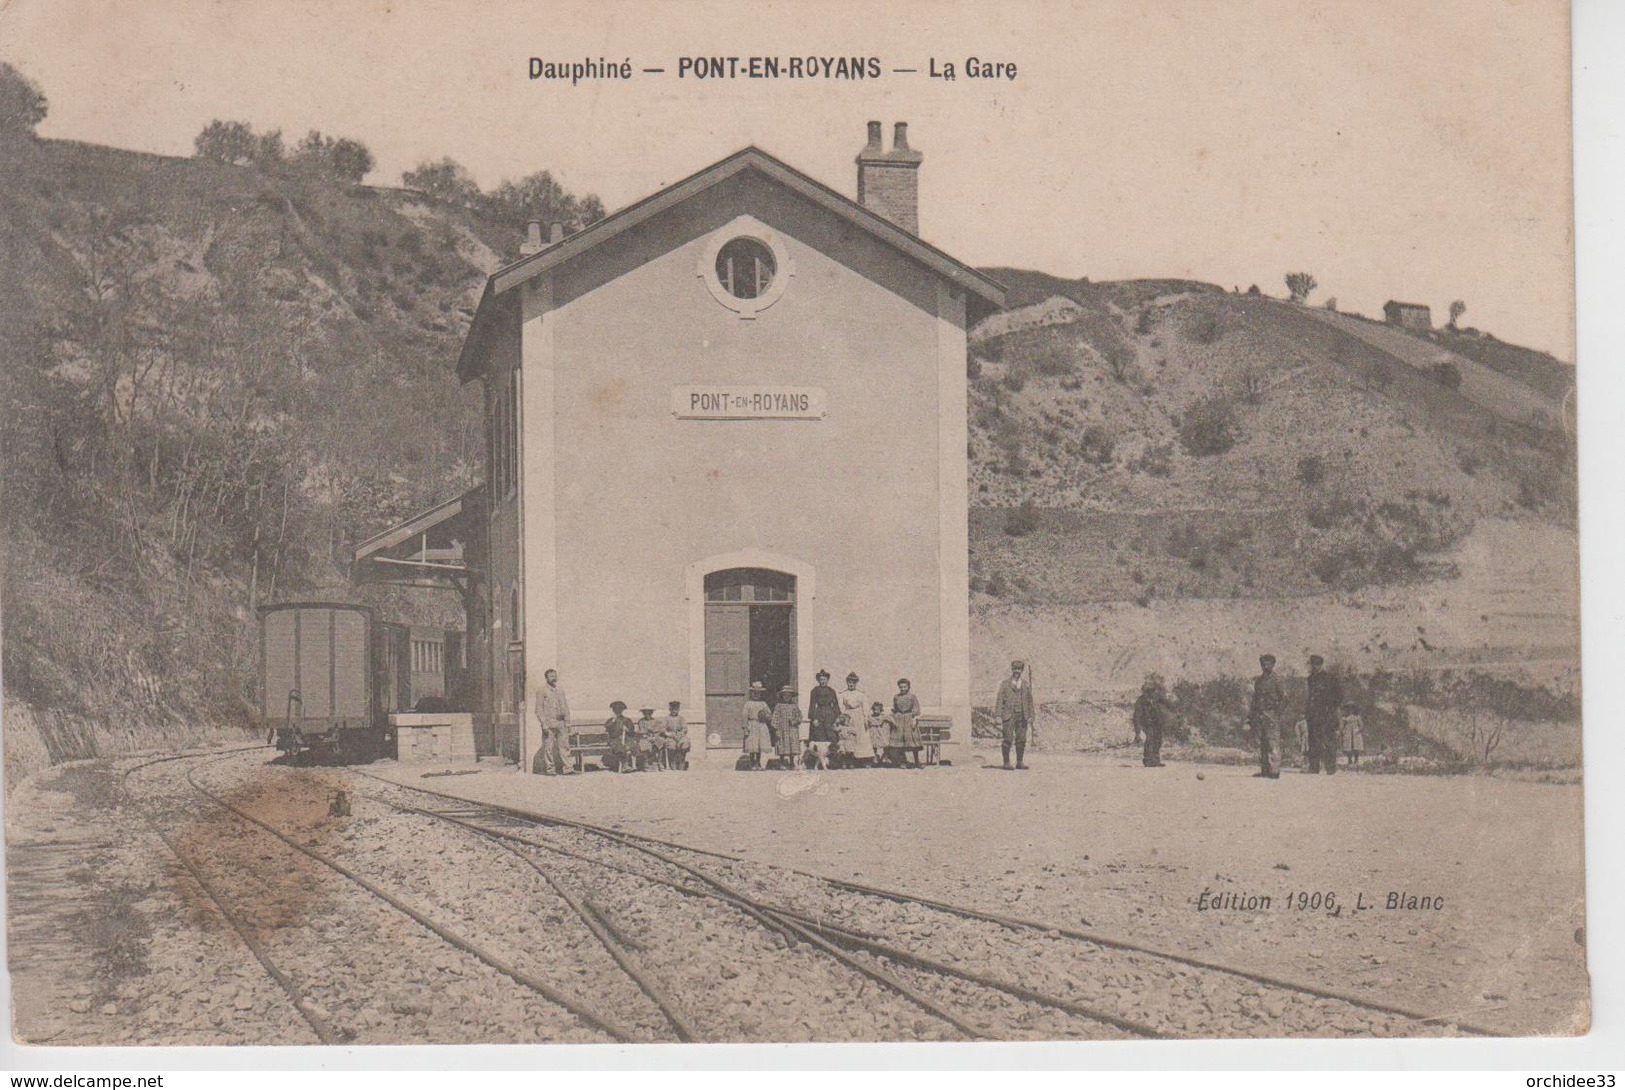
[438, 548]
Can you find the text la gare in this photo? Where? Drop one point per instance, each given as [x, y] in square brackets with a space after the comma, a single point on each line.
[975, 68]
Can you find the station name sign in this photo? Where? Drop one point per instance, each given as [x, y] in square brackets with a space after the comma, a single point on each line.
[748, 403]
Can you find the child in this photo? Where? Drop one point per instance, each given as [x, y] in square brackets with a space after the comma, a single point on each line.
[1351, 728]
[676, 732]
[786, 728]
[879, 726]
[845, 754]
[758, 738]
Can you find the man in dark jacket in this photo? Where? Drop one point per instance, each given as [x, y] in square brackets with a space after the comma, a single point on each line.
[1015, 709]
[1151, 719]
[1320, 713]
[1264, 716]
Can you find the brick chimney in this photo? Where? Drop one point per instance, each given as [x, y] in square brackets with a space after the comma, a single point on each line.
[533, 239]
[889, 181]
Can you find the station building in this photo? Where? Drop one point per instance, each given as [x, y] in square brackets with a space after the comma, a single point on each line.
[726, 443]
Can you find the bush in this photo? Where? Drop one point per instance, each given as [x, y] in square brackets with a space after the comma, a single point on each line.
[1097, 444]
[1015, 382]
[1312, 470]
[1021, 521]
[1446, 373]
[1330, 512]
[1204, 327]
[1156, 459]
[1300, 285]
[973, 368]
[1211, 427]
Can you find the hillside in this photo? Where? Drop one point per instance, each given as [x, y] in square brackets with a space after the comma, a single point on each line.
[193, 358]
[1165, 439]
[217, 379]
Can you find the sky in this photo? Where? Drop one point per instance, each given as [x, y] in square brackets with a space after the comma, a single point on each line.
[1394, 149]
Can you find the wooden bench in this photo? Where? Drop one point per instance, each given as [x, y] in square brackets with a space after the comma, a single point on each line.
[934, 731]
[587, 742]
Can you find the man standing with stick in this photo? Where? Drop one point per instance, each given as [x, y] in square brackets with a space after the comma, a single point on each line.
[1015, 711]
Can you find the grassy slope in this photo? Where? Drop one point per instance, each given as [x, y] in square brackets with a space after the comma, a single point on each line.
[1350, 465]
[214, 379]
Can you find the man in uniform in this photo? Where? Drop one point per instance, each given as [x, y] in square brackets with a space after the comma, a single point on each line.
[1264, 716]
[1150, 719]
[1014, 709]
[553, 713]
[1320, 713]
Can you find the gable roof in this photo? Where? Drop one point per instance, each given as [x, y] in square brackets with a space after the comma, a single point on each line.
[984, 294]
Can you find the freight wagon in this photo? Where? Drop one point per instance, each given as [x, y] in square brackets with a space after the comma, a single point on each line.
[331, 674]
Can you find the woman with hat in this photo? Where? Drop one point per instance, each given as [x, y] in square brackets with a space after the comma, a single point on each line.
[855, 706]
[905, 713]
[823, 707]
[786, 726]
[757, 741]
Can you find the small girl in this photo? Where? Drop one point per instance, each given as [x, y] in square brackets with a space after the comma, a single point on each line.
[879, 726]
[1352, 730]
[845, 754]
[905, 733]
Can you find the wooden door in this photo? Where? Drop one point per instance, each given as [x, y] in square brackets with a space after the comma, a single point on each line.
[727, 669]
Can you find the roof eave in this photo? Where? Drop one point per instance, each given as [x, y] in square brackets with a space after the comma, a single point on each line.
[533, 265]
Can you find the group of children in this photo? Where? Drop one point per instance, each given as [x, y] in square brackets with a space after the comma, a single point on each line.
[843, 729]
[646, 744]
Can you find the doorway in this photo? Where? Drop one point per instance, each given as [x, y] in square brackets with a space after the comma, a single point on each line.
[750, 635]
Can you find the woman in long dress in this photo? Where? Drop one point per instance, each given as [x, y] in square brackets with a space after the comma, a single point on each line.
[787, 727]
[756, 715]
[905, 733]
[855, 706]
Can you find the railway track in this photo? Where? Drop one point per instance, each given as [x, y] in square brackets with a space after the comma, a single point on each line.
[870, 963]
[847, 915]
[296, 969]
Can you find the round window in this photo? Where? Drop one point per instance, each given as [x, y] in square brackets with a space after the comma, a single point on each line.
[745, 268]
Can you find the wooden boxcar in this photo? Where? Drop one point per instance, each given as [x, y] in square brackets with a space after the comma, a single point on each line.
[331, 675]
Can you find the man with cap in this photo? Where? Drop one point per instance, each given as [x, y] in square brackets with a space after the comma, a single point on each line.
[1015, 709]
[823, 708]
[1264, 717]
[1320, 710]
[619, 729]
[553, 714]
[1151, 719]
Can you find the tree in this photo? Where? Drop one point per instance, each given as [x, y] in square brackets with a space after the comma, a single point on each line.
[1300, 285]
[1457, 309]
[268, 148]
[1211, 427]
[337, 157]
[445, 179]
[226, 142]
[539, 196]
[22, 103]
